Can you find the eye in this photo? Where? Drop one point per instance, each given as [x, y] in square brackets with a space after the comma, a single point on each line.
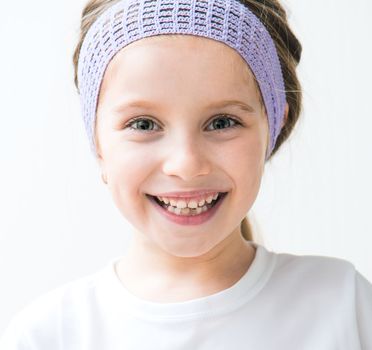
[223, 122]
[142, 124]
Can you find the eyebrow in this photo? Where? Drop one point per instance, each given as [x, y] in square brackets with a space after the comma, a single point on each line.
[219, 104]
[228, 103]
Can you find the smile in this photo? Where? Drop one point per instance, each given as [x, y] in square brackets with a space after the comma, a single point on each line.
[180, 213]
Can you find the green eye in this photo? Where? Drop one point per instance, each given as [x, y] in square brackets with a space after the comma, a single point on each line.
[224, 122]
[221, 123]
[142, 124]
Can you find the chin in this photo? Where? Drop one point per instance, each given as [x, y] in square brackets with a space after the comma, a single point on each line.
[188, 248]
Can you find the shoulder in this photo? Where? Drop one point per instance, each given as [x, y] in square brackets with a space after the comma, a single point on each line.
[322, 286]
[311, 263]
[68, 294]
[41, 320]
[316, 273]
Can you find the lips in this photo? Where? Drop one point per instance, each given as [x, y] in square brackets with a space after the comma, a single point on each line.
[208, 206]
[192, 217]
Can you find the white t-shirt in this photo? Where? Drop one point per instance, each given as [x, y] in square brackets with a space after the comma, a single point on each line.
[283, 301]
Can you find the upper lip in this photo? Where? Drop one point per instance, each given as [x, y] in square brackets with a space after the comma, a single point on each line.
[188, 194]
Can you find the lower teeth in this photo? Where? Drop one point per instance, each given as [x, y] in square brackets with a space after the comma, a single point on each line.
[188, 211]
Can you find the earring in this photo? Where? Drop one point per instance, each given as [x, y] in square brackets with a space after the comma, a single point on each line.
[104, 179]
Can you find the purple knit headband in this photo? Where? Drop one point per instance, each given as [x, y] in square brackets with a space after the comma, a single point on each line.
[227, 21]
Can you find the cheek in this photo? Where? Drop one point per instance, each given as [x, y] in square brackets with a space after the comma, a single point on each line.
[128, 168]
[129, 160]
[246, 153]
[244, 162]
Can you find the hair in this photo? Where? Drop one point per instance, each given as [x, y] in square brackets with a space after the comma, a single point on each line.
[274, 17]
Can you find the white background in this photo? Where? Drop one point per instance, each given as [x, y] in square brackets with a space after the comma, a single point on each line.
[57, 219]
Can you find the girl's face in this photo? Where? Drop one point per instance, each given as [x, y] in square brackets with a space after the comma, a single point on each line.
[188, 137]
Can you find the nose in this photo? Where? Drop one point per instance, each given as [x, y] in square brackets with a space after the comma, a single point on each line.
[186, 158]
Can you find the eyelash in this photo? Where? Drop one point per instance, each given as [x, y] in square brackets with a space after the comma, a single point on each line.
[222, 116]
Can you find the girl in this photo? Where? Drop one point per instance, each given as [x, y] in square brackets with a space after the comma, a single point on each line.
[156, 80]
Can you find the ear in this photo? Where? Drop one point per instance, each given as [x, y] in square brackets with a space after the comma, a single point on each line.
[101, 164]
[286, 111]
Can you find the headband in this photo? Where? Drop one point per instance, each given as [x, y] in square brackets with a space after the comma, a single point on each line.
[227, 21]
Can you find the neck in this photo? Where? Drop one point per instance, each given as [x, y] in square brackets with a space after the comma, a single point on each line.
[168, 278]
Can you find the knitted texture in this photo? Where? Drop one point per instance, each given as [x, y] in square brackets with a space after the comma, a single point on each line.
[227, 21]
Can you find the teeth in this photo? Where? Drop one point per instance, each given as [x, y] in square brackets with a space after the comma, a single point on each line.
[171, 209]
[193, 204]
[181, 204]
[183, 207]
[187, 211]
[177, 211]
[209, 199]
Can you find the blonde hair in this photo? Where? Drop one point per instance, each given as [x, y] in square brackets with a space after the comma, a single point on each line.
[274, 17]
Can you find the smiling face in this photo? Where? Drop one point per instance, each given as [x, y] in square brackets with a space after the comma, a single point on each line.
[186, 139]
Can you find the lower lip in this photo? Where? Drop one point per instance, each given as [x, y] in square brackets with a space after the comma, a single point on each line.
[188, 220]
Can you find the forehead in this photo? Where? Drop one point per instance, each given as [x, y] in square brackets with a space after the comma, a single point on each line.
[178, 61]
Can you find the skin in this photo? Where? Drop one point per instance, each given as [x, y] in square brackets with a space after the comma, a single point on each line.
[181, 149]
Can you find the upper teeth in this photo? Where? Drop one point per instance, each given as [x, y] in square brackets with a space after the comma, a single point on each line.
[190, 203]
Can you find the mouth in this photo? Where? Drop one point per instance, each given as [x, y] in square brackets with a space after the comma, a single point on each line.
[188, 211]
